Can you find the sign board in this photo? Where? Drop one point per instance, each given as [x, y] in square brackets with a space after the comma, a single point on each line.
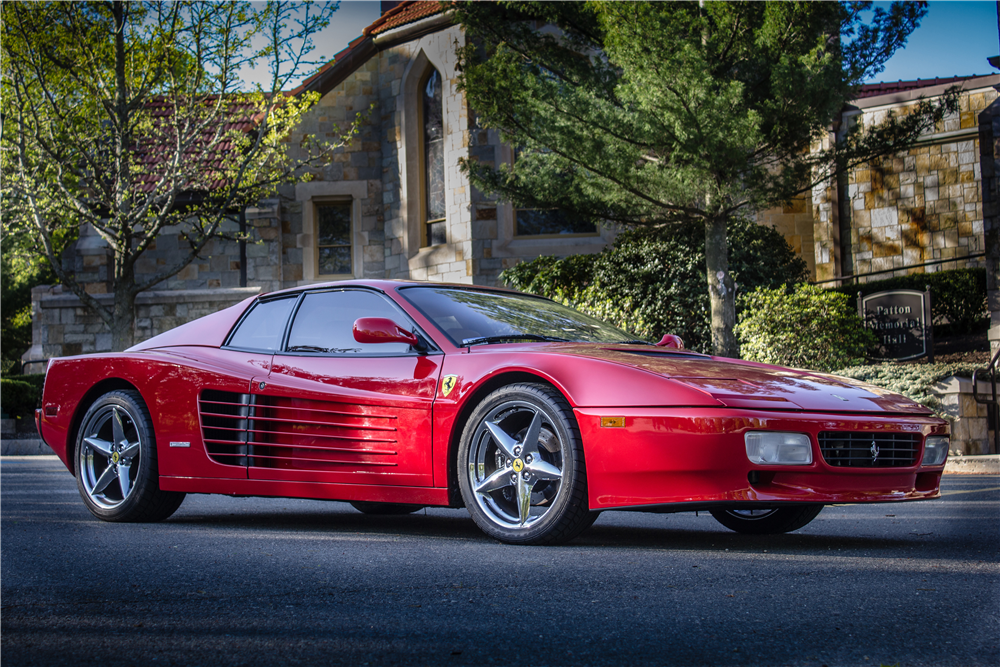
[901, 320]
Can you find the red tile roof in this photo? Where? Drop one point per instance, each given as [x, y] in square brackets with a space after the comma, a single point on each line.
[215, 141]
[876, 89]
[402, 14]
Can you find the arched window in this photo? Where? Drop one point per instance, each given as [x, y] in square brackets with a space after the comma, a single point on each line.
[432, 118]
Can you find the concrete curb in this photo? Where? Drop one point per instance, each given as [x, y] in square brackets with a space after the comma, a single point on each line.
[23, 447]
[973, 465]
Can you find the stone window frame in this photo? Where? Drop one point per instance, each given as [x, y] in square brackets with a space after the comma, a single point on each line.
[411, 150]
[309, 195]
[429, 71]
[509, 244]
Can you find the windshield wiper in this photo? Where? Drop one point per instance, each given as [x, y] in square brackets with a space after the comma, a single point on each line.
[307, 348]
[499, 339]
[630, 342]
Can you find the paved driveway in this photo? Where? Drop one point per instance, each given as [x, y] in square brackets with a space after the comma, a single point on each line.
[267, 581]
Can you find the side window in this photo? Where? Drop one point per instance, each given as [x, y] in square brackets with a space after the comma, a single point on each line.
[324, 323]
[263, 326]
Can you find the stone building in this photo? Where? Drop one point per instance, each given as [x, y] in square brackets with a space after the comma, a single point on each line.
[394, 204]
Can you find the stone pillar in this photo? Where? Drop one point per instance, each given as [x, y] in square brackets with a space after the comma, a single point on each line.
[989, 164]
[826, 223]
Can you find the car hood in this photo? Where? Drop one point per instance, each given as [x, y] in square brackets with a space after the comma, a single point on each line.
[743, 384]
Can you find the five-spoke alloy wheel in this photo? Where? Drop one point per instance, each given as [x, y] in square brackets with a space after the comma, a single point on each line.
[521, 468]
[116, 466]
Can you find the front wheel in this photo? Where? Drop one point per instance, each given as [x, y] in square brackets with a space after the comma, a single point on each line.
[767, 521]
[521, 468]
[116, 468]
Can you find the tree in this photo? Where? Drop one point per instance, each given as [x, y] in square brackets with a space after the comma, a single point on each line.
[641, 113]
[130, 117]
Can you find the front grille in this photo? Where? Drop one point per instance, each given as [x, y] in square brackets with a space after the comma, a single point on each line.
[293, 433]
[850, 449]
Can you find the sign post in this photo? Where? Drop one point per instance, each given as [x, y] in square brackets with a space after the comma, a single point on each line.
[901, 320]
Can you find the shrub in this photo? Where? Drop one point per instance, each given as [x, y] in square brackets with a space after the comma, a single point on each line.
[809, 328]
[958, 297]
[20, 396]
[652, 281]
[911, 380]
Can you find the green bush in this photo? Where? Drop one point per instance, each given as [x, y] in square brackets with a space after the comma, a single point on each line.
[911, 380]
[958, 297]
[809, 328]
[652, 281]
[20, 396]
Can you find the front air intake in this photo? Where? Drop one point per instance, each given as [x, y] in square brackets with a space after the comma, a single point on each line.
[848, 449]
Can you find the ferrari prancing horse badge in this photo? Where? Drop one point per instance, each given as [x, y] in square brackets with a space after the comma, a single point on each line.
[447, 384]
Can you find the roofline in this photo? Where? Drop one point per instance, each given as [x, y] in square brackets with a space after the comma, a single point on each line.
[914, 94]
[361, 50]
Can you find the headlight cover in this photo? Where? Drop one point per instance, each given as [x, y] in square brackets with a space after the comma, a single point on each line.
[935, 450]
[772, 448]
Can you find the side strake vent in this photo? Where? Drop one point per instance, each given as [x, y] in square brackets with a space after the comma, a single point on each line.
[296, 434]
[850, 449]
[224, 421]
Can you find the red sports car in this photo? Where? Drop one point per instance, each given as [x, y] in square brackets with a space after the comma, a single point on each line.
[400, 395]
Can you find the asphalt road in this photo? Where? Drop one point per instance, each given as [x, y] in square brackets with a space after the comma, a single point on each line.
[268, 581]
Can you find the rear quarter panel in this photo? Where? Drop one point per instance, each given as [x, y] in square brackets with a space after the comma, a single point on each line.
[169, 383]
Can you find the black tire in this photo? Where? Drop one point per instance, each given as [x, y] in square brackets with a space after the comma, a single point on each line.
[115, 465]
[384, 509]
[767, 521]
[527, 489]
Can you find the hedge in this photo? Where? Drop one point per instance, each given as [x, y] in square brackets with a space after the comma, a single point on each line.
[20, 394]
[652, 281]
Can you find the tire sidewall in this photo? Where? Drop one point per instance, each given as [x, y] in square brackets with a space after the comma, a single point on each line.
[572, 454]
[147, 476]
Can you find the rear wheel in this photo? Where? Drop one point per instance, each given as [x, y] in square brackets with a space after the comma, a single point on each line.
[384, 508]
[116, 467]
[521, 467]
[767, 521]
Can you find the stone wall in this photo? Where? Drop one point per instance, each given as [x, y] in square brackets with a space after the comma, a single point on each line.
[795, 222]
[62, 326]
[971, 434]
[921, 205]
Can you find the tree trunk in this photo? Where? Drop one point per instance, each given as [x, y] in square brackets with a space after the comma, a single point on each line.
[123, 318]
[721, 290]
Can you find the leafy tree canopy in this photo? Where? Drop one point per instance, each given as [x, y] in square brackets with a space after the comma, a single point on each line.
[131, 117]
[644, 113]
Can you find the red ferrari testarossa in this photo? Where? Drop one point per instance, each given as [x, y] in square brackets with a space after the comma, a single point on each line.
[399, 395]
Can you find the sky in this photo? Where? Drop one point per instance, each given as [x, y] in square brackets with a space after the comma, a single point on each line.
[954, 39]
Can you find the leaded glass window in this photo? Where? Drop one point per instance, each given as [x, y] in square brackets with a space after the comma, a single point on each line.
[333, 234]
[434, 199]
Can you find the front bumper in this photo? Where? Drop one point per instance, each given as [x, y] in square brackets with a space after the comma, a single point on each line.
[693, 458]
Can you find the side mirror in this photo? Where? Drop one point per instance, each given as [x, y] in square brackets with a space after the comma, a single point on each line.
[671, 341]
[383, 330]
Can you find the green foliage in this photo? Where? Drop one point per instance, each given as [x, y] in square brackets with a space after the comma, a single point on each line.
[958, 297]
[18, 274]
[133, 118]
[644, 113]
[652, 281]
[911, 380]
[809, 328]
[19, 397]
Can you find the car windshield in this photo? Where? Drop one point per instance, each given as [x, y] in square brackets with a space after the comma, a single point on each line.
[470, 317]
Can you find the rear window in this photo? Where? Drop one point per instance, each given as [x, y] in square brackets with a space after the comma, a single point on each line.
[263, 327]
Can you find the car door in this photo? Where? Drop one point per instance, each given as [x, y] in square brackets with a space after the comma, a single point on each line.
[338, 411]
[220, 382]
